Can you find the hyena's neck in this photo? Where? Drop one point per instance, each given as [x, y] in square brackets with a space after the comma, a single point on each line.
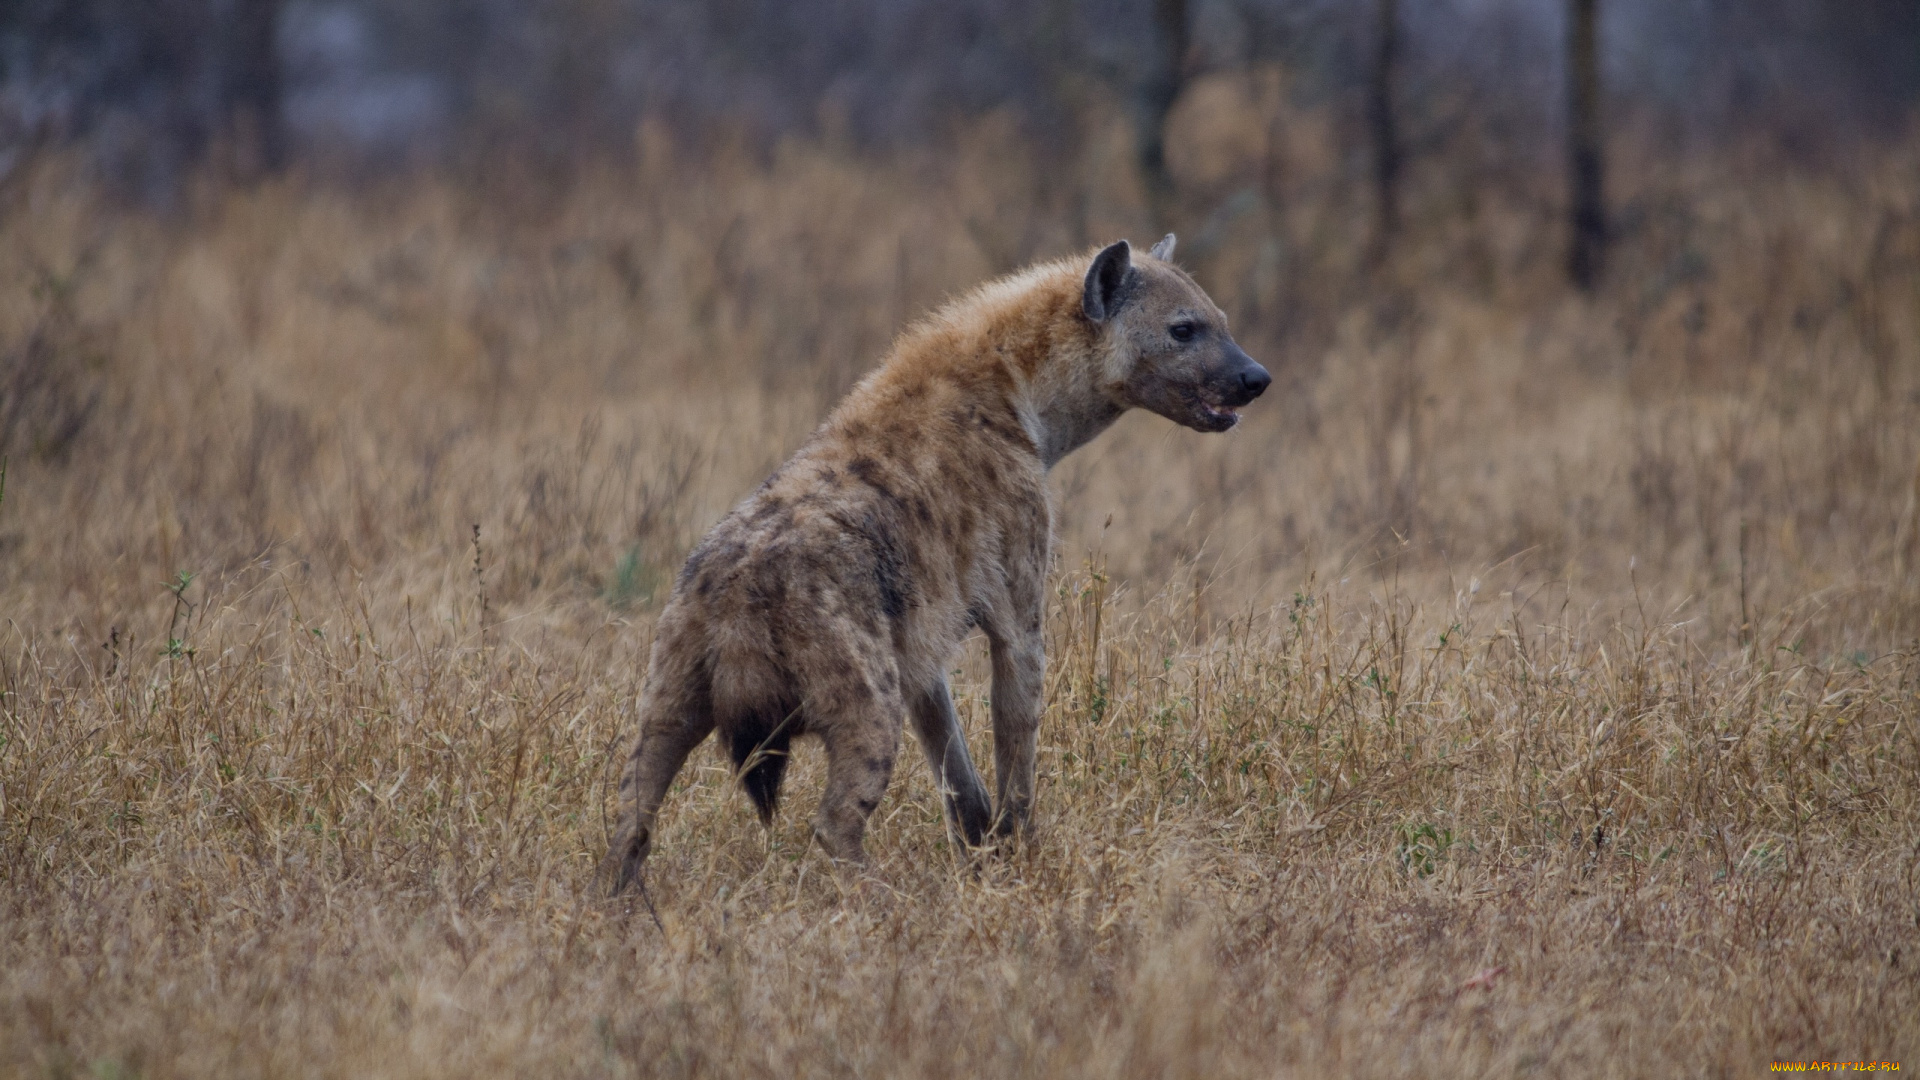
[1056, 393]
[1060, 423]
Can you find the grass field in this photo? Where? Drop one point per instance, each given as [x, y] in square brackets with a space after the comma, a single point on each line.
[1530, 686]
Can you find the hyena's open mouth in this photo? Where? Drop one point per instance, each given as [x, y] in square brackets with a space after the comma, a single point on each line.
[1211, 417]
[1226, 414]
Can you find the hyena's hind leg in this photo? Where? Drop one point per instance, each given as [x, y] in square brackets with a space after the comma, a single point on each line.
[676, 713]
[859, 765]
[858, 712]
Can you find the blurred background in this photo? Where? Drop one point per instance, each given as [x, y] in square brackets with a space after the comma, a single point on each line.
[1587, 283]
[156, 87]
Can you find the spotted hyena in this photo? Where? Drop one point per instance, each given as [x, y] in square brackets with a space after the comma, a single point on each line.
[831, 602]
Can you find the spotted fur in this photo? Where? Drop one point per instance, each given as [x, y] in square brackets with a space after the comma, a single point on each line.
[832, 600]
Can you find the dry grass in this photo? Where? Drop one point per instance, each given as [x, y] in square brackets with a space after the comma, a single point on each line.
[1529, 686]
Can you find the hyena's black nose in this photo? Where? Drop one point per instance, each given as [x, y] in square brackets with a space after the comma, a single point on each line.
[1255, 380]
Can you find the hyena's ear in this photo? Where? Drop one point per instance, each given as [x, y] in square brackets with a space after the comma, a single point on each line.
[1164, 249]
[1106, 281]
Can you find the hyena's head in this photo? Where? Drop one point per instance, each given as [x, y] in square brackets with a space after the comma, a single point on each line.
[1165, 345]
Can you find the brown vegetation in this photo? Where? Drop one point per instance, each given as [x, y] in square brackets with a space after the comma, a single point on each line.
[1528, 686]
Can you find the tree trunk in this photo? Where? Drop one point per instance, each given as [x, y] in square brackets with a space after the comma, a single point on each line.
[253, 85]
[1066, 73]
[1161, 90]
[1384, 125]
[1585, 160]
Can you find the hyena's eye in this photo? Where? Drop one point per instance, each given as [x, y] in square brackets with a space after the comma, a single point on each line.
[1183, 331]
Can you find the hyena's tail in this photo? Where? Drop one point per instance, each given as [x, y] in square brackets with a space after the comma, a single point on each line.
[759, 744]
[757, 712]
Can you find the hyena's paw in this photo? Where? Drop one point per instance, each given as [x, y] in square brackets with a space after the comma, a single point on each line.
[621, 868]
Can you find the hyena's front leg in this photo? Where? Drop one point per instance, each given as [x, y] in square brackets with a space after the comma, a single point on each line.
[1019, 671]
[945, 743]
